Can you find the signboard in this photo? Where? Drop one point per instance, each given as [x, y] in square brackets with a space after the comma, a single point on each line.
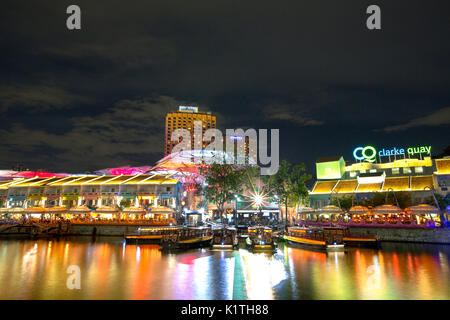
[188, 108]
[330, 169]
[369, 153]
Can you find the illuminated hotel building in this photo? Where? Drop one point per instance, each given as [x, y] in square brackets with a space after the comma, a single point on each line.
[362, 179]
[184, 119]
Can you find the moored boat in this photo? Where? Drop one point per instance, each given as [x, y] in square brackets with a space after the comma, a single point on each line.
[359, 240]
[187, 238]
[260, 239]
[150, 235]
[224, 239]
[315, 238]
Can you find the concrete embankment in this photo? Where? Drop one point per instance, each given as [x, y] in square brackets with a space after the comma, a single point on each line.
[102, 230]
[406, 234]
[385, 234]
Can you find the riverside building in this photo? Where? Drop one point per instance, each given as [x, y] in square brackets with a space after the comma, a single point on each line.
[374, 170]
[106, 191]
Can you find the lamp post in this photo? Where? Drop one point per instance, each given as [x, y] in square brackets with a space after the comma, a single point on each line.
[236, 199]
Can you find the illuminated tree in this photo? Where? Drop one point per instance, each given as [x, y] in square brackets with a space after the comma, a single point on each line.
[288, 182]
[222, 182]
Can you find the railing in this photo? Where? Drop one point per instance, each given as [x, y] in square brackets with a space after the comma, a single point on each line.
[162, 222]
[373, 224]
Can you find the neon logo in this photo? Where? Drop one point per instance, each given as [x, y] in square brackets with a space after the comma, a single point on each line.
[367, 153]
[414, 150]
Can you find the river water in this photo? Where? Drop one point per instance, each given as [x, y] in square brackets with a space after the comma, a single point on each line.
[109, 269]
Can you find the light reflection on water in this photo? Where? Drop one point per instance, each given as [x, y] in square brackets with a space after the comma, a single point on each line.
[112, 270]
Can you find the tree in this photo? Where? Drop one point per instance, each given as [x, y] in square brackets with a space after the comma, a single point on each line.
[125, 203]
[222, 182]
[288, 182]
[345, 202]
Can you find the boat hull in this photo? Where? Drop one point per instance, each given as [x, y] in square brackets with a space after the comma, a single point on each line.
[188, 244]
[260, 247]
[362, 242]
[224, 247]
[313, 244]
[153, 239]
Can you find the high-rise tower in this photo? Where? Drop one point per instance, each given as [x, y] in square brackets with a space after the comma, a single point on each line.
[184, 119]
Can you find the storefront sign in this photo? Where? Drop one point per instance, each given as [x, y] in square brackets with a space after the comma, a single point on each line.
[369, 153]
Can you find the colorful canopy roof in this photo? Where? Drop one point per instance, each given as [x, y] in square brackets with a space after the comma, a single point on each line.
[56, 210]
[330, 209]
[359, 210]
[161, 210]
[35, 210]
[106, 209]
[134, 210]
[305, 210]
[422, 209]
[387, 209]
[80, 210]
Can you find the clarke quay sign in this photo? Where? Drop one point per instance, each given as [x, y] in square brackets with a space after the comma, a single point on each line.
[369, 153]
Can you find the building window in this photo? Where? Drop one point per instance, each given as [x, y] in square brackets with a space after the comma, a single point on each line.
[406, 170]
[395, 170]
[418, 169]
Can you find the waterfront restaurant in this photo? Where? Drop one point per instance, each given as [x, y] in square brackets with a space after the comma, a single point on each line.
[102, 196]
[409, 171]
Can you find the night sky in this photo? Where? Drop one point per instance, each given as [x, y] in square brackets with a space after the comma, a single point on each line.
[77, 101]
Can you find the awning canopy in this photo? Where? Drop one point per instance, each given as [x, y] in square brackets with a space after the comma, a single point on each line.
[359, 210]
[35, 210]
[330, 209]
[106, 210]
[305, 210]
[422, 209]
[161, 210]
[134, 210]
[387, 209]
[55, 210]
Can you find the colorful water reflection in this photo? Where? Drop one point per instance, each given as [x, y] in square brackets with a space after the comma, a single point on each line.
[112, 270]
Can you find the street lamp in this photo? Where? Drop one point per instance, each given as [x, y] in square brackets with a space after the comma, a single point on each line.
[236, 199]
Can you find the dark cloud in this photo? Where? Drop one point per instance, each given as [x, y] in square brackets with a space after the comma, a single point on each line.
[37, 98]
[79, 100]
[440, 117]
[289, 113]
[129, 128]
